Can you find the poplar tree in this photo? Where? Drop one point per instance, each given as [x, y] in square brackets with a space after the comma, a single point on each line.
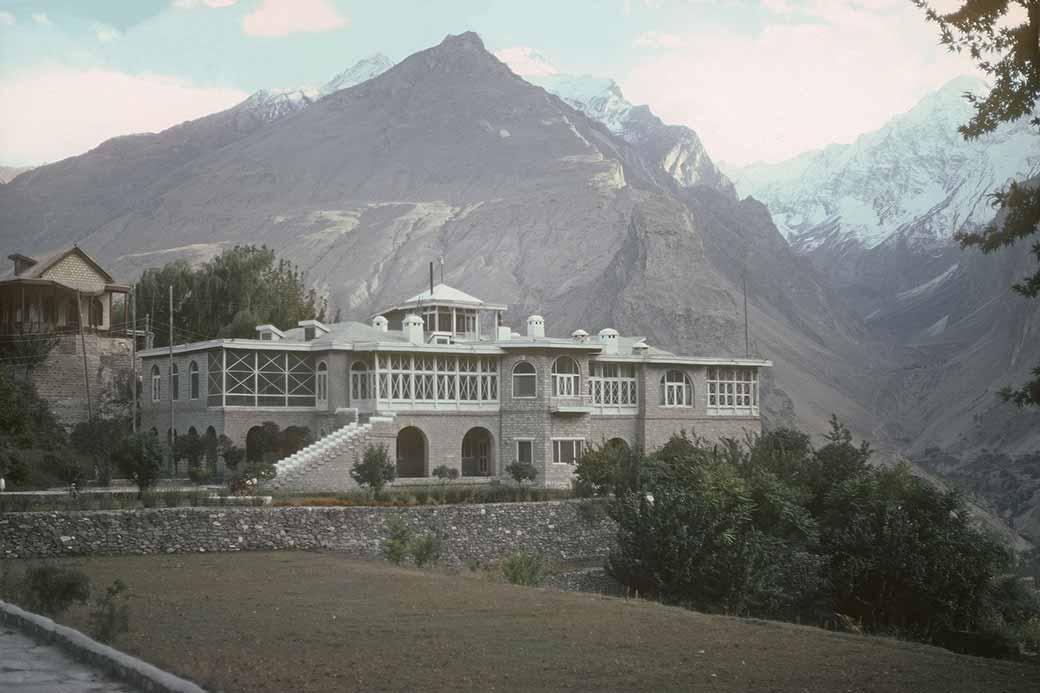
[1002, 37]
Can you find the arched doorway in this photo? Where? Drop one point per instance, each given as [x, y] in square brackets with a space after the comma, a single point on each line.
[411, 453]
[618, 444]
[478, 450]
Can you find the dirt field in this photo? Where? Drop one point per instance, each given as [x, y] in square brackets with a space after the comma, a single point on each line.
[319, 622]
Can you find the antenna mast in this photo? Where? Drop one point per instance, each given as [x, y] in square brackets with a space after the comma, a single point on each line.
[747, 330]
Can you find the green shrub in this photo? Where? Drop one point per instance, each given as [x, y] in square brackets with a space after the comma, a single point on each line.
[375, 469]
[521, 472]
[426, 549]
[110, 615]
[523, 568]
[172, 498]
[139, 458]
[395, 548]
[51, 589]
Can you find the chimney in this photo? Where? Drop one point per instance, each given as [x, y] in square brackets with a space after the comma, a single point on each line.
[413, 329]
[380, 323]
[504, 333]
[608, 339]
[536, 326]
[580, 336]
[21, 263]
[640, 348]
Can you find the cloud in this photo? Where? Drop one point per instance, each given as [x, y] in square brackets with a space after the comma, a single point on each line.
[104, 103]
[192, 4]
[41, 18]
[106, 33]
[832, 71]
[7, 19]
[655, 39]
[284, 17]
[525, 61]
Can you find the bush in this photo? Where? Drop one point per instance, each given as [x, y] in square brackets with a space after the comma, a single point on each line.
[139, 458]
[426, 549]
[523, 568]
[199, 475]
[395, 548]
[375, 469]
[172, 498]
[149, 499]
[110, 615]
[521, 472]
[446, 473]
[50, 589]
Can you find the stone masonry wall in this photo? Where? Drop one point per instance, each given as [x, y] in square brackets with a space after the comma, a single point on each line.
[485, 532]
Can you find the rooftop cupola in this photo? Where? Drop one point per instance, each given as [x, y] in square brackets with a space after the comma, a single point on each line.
[269, 333]
[536, 326]
[608, 339]
[313, 329]
[580, 336]
[380, 323]
[413, 329]
[640, 348]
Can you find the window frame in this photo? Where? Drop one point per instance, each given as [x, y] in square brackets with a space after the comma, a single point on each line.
[566, 384]
[671, 388]
[576, 451]
[156, 383]
[321, 383]
[533, 375]
[175, 381]
[516, 449]
[193, 380]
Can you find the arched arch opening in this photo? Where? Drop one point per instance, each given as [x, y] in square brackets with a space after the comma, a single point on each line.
[618, 444]
[211, 443]
[565, 377]
[676, 390]
[258, 443]
[525, 380]
[412, 452]
[478, 451]
[321, 383]
[156, 384]
[360, 383]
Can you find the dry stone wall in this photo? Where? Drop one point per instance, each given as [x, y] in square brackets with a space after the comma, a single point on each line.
[471, 532]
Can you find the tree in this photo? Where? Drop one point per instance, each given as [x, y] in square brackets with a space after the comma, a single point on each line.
[374, 469]
[447, 475]
[1009, 52]
[139, 457]
[97, 440]
[521, 472]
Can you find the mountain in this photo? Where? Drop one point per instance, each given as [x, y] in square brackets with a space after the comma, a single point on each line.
[8, 173]
[914, 181]
[675, 148]
[530, 202]
[362, 71]
[877, 217]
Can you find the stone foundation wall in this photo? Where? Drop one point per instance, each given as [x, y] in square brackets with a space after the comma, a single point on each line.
[485, 532]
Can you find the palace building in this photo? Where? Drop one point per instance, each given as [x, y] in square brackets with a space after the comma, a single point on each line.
[440, 381]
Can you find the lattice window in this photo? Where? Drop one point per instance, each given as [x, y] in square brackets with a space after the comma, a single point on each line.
[733, 391]
[565, 377]
[612, 384]
[676, 390]
[300, 380]
[215, 378]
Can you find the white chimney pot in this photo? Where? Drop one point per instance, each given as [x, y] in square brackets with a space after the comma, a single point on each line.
[536, 326]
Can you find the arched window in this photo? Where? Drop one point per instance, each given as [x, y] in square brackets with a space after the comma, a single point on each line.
[524, 380]
[359, 381]
[175, 381]
[322, 382]
[97, 312]
[193, 380]
[156, 384]
[565, 376]
[676, 390]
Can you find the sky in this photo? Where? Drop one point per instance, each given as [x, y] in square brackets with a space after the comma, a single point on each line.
[759, 80]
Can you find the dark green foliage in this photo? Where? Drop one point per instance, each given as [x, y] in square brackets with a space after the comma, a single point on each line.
[446, 473]
[775, 527]
[229, 452]
[110, 615]
[523, 568]
[426, 549]
[199, 475]
[26, 349]
[395, 548]
[374, 470]
[191, 448]
[68, 467]
[97, 440]
[1007, 49]
[50, 589]
[139, 458]
[606, 469]
[521, 472]
[28, 430]
[227, 296]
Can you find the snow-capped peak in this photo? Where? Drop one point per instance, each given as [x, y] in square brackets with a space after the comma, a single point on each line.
[597, 97]
[362, 71]
[272, 104]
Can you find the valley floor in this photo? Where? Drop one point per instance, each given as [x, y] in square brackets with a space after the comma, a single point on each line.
[305, 621]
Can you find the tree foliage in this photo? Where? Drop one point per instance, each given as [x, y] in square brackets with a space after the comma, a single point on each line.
[228, 296]
[139, 458]
[375, 469]
[1002, 37]
[776, 527]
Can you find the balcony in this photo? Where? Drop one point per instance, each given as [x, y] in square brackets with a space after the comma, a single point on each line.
[571, 406]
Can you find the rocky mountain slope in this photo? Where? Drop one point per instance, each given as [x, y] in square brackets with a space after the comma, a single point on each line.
[7, 173]
[531, 203]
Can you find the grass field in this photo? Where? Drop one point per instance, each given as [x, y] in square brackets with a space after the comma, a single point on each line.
[299, 621]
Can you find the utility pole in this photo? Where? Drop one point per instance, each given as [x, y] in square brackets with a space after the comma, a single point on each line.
[169, 380]
[133, 358]
[747, 329]
[83, 346]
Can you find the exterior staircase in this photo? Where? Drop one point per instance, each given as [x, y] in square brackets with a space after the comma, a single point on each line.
[325, 464]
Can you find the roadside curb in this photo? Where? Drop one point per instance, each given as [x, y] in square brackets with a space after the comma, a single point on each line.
[118, 664]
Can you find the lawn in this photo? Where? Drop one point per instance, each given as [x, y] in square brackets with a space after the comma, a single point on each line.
[303, 621]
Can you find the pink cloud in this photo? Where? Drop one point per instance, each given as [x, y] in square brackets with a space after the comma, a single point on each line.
[283, 17]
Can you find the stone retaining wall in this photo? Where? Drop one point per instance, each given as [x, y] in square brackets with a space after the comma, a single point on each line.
[471, 532]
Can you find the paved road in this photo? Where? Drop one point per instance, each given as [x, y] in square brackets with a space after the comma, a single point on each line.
[29, 667]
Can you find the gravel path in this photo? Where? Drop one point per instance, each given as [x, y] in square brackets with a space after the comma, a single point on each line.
[27, 666]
